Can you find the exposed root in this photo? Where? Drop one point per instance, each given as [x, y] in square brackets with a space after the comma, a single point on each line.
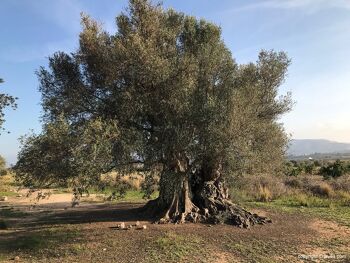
[212, 206]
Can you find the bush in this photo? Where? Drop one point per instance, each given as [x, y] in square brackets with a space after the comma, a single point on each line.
[323, 190]
[309, 168]
[333, 170]
[341, 183]
[292, 168]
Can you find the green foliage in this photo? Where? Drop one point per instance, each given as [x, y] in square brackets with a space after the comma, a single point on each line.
[3, 170]
[163, 90]
[309, 168]
[5, 101]
[334, 170]
[149, 185]
[328, 169]
[292, 168]
[60, 155]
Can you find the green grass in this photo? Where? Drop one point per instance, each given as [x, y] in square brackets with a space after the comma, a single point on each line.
[44, 242]
[174, 247]
[324, 210]
[7, 193]
[136, 196]
[131, 196]
[255, 251]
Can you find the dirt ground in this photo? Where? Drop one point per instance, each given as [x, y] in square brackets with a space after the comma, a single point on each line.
[53, 231]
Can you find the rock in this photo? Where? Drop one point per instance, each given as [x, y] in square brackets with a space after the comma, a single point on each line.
[144, 227]
[137, 224]
[19, 195]
[122, 225]
[129, 226]
[3, 198]
[16, 258]
[162, 221]
[104, 249]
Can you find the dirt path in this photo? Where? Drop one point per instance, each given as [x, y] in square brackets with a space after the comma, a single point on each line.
[52, 231]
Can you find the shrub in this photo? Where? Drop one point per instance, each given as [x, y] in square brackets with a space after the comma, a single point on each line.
[294, 182]
[323, 190]
[333, 170]
[309, 168]
[292, 168]
[341, 183]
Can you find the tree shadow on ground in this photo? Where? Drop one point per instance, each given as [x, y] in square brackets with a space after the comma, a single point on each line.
[41, 229]
[37, 242]
[87, 213]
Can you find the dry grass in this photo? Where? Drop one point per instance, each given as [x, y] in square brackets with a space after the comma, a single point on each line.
[305, 190]
[264, 194]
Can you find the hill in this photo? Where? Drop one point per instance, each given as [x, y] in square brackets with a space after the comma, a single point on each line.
[311, 146]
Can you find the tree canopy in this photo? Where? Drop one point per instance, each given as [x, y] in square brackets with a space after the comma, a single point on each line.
[163, 91]
[5, 101]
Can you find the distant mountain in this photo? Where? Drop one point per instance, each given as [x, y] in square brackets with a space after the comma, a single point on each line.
[311, 146]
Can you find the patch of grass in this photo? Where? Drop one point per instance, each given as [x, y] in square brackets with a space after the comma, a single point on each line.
[174, 247]
[332, 242]
[131, 196]
[254, 251]
[332, 212]
[39, 243]
[301, 199]
[7, 193]
[136, 196]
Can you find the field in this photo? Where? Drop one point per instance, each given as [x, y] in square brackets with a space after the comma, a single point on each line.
[51, 230]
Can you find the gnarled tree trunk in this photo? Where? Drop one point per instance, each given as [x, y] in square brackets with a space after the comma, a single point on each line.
[198, 197]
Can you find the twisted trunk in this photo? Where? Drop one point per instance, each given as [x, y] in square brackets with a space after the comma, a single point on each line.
[201, 197]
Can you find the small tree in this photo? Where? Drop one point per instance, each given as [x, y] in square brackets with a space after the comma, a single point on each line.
[333, 170]
[163, 92]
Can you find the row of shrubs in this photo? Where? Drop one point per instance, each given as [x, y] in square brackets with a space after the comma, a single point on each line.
[327, 169]
[268, 188]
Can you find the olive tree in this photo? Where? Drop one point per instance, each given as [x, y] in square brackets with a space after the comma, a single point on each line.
[164, 92]
[5, 101]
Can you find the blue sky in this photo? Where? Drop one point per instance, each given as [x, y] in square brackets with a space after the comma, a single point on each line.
[314, 33]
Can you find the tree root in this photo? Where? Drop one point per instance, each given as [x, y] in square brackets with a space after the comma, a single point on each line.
[209, 204]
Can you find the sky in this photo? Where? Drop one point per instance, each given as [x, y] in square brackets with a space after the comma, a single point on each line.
[314, 33]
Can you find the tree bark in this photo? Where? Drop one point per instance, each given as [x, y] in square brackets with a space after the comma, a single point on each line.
[186, 197]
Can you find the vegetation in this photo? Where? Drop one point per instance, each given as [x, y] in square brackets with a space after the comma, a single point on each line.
[7, 185]
[328, 169]
[3, 169]
[163, 95]
[5, 101]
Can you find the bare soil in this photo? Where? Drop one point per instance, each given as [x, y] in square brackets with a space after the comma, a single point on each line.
[53, 231]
